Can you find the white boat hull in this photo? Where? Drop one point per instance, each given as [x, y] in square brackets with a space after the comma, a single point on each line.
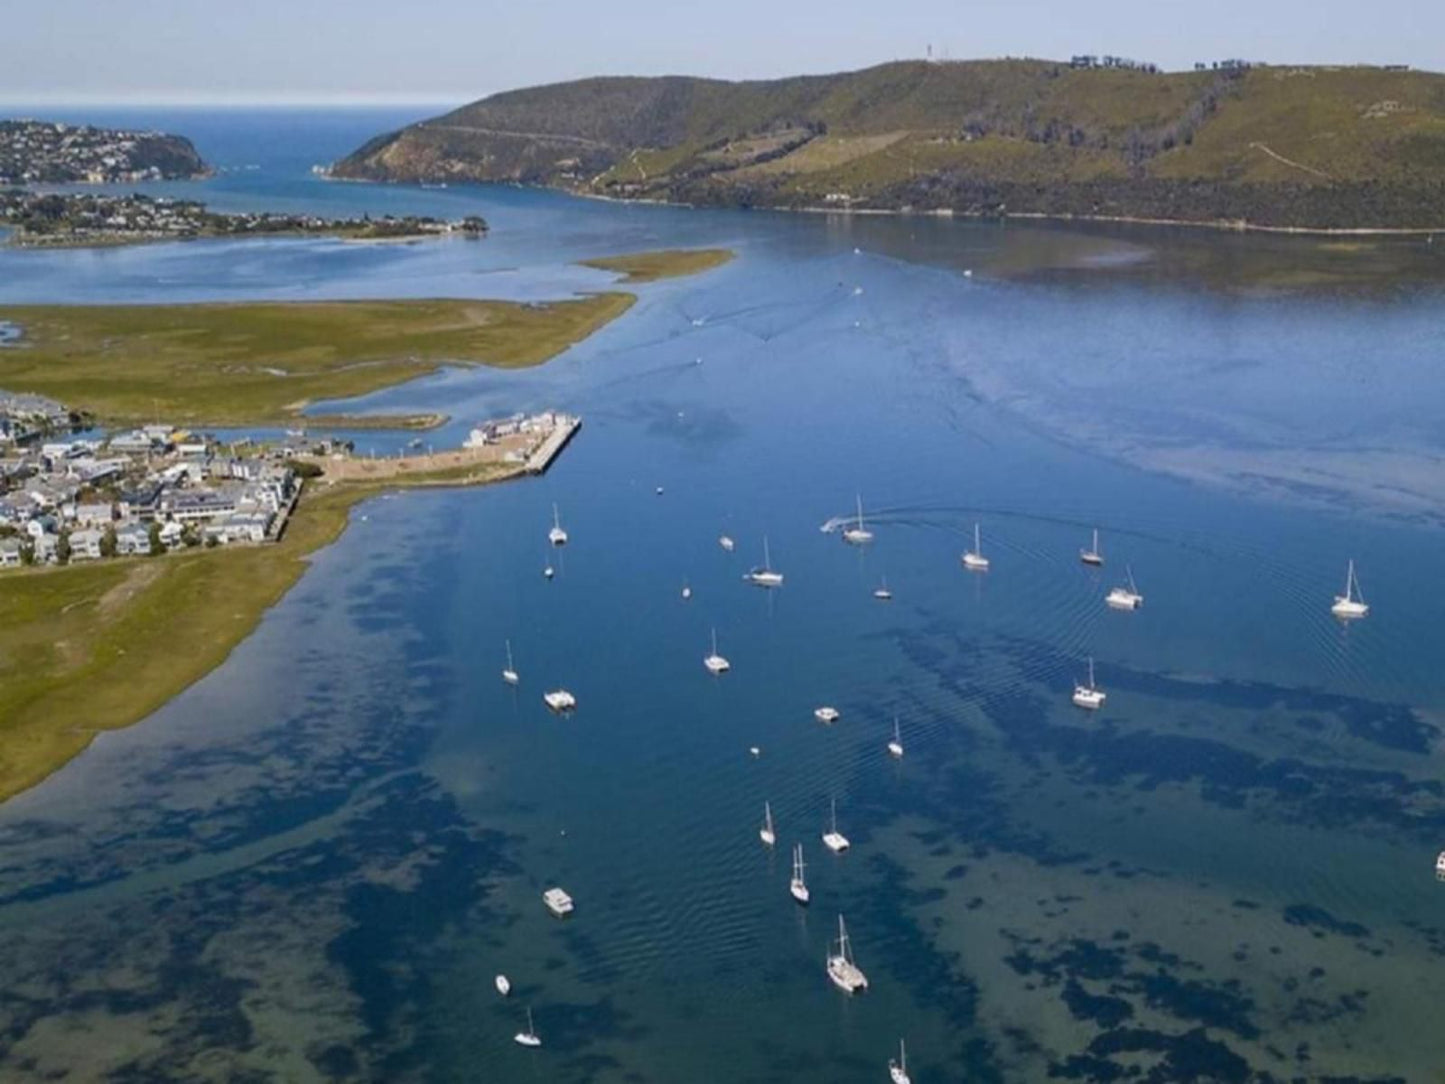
[504, 985]
[523, 1038]
[975, 562]
[1089, 699]
[836, 842]
[826, 716]
[765, 579]
[800, 893]
[855, 536]
[895, 750]
[767, 837]
[511, 677]
[1120, 599]
[716, 664]
[846, 976]
[1349, 609]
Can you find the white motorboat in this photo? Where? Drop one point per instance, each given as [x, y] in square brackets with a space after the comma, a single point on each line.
[1125, 596]
[503, 984]
[895, 747]
[881, 592]
[846, 974]
[973, 559]
[766, 833]
[755, 750]
[549, 572]
[833, 839]
[559, 700]
[659, 491]
[510, 675]
[1090, 696]
[726, 543]
[798, 886]
[858, 535]
[826, 715]
[1351, 604]
[714, 662]
[556, 535]
[686, 592]
[898, 1070]
[558, 902]
[765, 575]
[1093, 555]
[530, 1036]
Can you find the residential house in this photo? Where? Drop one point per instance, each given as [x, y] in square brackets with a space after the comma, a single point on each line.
[10, 553]
[85, 544]
[132, 540]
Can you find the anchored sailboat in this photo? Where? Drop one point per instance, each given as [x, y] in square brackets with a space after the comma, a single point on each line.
[1089, 696]
[797, 886]
[833, 839]
[1351, 604]
[846, 974]
[973, 559]
[1125, 597]
[714, 662]
[858, 535]
[765, 575]
[530, 1036]
[556, 535]
[766, 832]
[895, 747]
[898, 1070]
[881, 592]
[1093, 555]
[510, 675]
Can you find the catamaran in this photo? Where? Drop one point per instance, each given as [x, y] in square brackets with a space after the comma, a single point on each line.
[858, 535]
[797, 886]
[826, 715]
[898, 1070]
[1125, 597]
[1093, 555]
[766, 833]
[973, 559]
[765, 575]
[558, 902]
[1351, 604]
[560, 700]
[556, 535]
[714, 662]
[895, 747]
[846, 975]
[1089, 696]
[530, 1036]
[510, 675]
[833, 839]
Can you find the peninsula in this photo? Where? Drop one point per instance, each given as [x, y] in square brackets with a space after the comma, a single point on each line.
[1228, 143]
[133, 564]
[70, 220]
[45, 152]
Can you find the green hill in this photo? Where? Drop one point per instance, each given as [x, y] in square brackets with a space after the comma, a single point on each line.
[1311, 147]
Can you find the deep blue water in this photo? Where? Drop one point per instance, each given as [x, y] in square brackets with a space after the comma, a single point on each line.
[311, 864]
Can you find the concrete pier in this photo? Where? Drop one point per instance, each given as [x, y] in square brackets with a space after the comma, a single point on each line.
[541, 458]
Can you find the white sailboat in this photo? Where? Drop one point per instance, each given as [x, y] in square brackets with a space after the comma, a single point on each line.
[1090, 696]
[845, 974]
[766, 833]
[765, 575]
[826, 715]
[503, 984]
[858, 535]
[530, 1036]
[895, 747]
[833, 839]
[1440, 865]
[510, 675]
[798, 886]
[1351, 604]
[556, 535]
[898, 1070]
[1093, 555]
[881, 592]
[714, 662]
[973, 559]
[560, 700]
[1125, 597]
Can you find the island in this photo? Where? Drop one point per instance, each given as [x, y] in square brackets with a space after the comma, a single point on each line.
[61, 220]
[1227, 143]
[133, 561]
[46, 152]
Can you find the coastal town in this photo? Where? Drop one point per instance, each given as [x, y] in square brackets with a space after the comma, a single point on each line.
[45, 152]
[69, 219]
[70, 494]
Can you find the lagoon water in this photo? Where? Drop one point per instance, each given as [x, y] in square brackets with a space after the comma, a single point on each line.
[311, 865]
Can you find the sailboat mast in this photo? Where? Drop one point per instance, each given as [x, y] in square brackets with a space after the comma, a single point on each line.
[977, 542]
[860, 511]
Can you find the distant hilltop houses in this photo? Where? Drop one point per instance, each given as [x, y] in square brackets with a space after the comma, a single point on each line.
[45, 152]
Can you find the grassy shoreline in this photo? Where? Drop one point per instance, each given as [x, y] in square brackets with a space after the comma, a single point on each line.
[98, 646]
[662, 264]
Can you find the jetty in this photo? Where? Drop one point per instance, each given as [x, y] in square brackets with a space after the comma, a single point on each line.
[564, 428]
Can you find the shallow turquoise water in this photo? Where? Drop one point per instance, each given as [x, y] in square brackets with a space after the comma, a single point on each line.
[311, 864]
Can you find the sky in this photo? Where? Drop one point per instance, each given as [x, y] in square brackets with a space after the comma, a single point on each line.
[439, 51]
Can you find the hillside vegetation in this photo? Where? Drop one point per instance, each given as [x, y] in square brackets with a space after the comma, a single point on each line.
[1311, 147]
